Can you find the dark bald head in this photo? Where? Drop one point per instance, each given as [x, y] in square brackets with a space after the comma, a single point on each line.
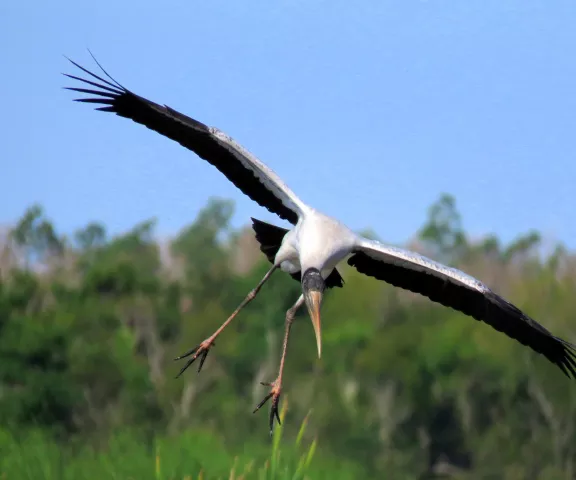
[312, 287]
[312, 280]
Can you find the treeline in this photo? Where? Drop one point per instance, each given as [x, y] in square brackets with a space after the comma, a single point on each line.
[89, 325]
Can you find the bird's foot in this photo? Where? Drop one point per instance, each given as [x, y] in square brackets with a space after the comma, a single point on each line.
[198, 351]
[275, 392]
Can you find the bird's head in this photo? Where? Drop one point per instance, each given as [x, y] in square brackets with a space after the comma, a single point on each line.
[313, 288]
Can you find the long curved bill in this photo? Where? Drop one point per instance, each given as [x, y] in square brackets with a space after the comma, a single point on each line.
[313, 301]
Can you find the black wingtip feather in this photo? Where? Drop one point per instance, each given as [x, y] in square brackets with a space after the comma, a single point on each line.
[96, 76]
[103, 101]
[114, 84]
[91, 92]
[570, 357]
[104, 70]
[516, 324]
[114, 90]
[107, 94]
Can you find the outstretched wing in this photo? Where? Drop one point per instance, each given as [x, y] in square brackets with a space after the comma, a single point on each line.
[243, 169]
[453, 288]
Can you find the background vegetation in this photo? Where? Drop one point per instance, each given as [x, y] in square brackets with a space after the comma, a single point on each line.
[89, 326]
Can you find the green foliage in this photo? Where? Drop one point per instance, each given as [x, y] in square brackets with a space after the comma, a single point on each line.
[405, 388]
[198, 454]
[443, 232]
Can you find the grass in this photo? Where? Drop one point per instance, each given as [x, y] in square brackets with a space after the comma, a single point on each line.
[193, 455]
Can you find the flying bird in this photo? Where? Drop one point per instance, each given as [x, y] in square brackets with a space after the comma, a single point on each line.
[311, 250]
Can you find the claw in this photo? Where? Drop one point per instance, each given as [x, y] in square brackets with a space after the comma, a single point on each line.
[275, 403]
[198, 351]
[189, 352]
[261, 404]
[275, 396]
[202, 358]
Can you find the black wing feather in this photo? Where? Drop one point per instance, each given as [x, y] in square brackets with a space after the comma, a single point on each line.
[485, 306]
[188, 132]
[270, 239]
[92, 92]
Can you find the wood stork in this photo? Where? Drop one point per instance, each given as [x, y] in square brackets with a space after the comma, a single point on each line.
[312, 249]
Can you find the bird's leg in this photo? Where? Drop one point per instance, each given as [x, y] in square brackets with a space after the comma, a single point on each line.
[204, 347]
[276, 385]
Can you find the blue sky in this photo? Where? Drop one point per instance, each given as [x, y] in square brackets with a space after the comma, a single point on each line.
[369, 110]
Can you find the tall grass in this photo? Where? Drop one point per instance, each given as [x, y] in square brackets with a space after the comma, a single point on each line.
[193, 455]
